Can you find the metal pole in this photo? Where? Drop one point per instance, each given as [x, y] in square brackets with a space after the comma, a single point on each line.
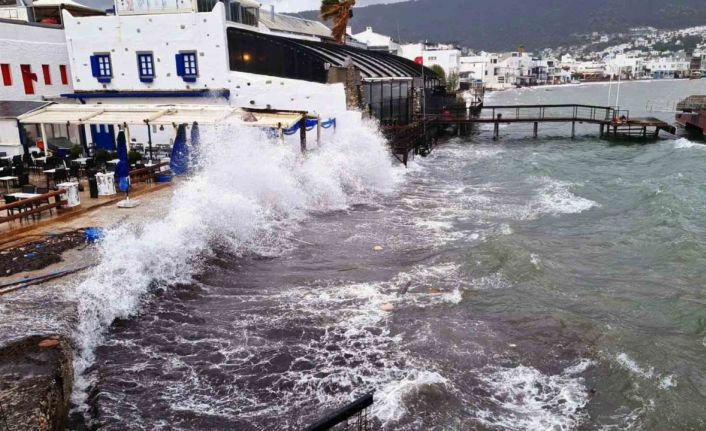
[318, 130]
[149, 139]
[302, 134]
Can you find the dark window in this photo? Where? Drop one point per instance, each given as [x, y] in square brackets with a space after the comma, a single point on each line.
[47, 74]
[64, 75]
[206, 5]
[145, 67]
[28, 78]
[6, 75]
[102, 68]
[187, 66]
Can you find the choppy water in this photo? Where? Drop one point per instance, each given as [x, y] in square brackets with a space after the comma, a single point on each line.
[536, 284]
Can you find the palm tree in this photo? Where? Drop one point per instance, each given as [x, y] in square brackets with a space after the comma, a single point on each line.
[340, 11]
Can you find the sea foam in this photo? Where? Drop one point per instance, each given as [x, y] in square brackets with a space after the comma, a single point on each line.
[247, 195]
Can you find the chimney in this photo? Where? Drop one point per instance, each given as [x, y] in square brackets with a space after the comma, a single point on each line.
[370, 29]
[272, 12]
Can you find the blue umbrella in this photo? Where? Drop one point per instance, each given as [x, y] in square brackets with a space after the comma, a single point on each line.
[122, 171]
[180, 153]
[195, 144]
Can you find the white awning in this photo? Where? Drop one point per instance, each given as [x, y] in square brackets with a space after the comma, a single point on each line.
[59, 113]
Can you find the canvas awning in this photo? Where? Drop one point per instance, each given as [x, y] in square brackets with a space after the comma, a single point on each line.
[127, 114]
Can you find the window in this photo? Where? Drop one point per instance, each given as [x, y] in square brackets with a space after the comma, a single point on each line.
[64, 75]
[47, 74]
[6, 75]
[206, 5]
[145, 66]
[28, 78]
[187, 66]
[102, 68]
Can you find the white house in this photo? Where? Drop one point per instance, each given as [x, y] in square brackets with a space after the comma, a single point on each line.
[377, 41]
[446, 56]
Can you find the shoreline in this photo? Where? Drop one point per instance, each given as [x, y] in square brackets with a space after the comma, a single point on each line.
[36, 333]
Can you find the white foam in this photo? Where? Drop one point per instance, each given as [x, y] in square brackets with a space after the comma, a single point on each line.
[683, 143]
[247, 197]
[528, 400]
[555, 197]
[389, 404]
[663, 382]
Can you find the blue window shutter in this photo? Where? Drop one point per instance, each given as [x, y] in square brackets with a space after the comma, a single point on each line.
[181, 70]
[95, 69]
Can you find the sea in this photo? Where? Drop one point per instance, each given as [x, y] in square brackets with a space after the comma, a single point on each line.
[517, 284]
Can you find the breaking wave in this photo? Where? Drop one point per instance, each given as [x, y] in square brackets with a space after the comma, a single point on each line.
[247, 197]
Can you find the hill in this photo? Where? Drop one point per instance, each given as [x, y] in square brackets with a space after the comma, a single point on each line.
[499, 25]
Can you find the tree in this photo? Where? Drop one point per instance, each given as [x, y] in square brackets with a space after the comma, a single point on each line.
[440, 73]
[340, 11]
[453, 81]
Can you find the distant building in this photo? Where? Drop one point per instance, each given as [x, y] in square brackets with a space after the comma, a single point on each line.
[448, 57]
[377, 42]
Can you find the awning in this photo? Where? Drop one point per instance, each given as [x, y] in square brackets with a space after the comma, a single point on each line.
[75, 114]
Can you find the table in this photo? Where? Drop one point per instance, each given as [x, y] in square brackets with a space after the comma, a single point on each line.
[40, 159]
[24, 195]
[71, 196]
[81, 160]
[7, 180]
[106, 184]
[113, 162]
[6, 157]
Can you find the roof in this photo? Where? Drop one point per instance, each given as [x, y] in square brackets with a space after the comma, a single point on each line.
[70, 4]
[291, 24]
[372, 64]
[692, 103]
[10, 110]
[137, 114]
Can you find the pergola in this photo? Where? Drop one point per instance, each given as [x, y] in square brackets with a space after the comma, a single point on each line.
[126, 115]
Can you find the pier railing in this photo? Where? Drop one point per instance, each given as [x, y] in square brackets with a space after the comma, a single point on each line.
[529, 113]
[32, 206]
[352, 417]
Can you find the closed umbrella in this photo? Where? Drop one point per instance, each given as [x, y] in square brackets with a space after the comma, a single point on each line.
[180, 153]
[122, 171]
[195, 145]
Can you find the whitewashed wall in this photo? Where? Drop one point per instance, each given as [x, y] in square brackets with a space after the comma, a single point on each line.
[10, 138]
[34, 45]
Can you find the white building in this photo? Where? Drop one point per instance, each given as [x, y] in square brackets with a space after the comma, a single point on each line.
[667, 68]
[377, 42]
[446, 56]
[477, 68]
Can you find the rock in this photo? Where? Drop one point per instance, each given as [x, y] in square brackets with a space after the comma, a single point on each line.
[35, 383]
[377, 248]
[48, 343]
[387, 307]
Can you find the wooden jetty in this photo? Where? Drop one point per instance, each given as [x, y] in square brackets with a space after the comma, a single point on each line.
[614, 124]
[691, 115]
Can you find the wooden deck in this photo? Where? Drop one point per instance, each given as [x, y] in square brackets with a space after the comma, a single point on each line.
[613, 123]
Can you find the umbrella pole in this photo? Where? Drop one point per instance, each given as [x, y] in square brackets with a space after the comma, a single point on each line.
[149, 139]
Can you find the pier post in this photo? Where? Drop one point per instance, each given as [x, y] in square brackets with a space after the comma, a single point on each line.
[496, 131]
[644, 132]
[318, 130]
[536, 129]
[573, 129]
[302, 134]
[601, 131]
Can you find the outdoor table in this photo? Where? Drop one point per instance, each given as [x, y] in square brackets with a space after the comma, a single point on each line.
[81, 160]
[49, 173]
[113, 162]
[6, 157]
[24, 195]
[106, 184]
[40, 159]
[71, 196]
[7, 180]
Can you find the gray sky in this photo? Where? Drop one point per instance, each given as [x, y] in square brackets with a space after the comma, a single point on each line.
[280, 5]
